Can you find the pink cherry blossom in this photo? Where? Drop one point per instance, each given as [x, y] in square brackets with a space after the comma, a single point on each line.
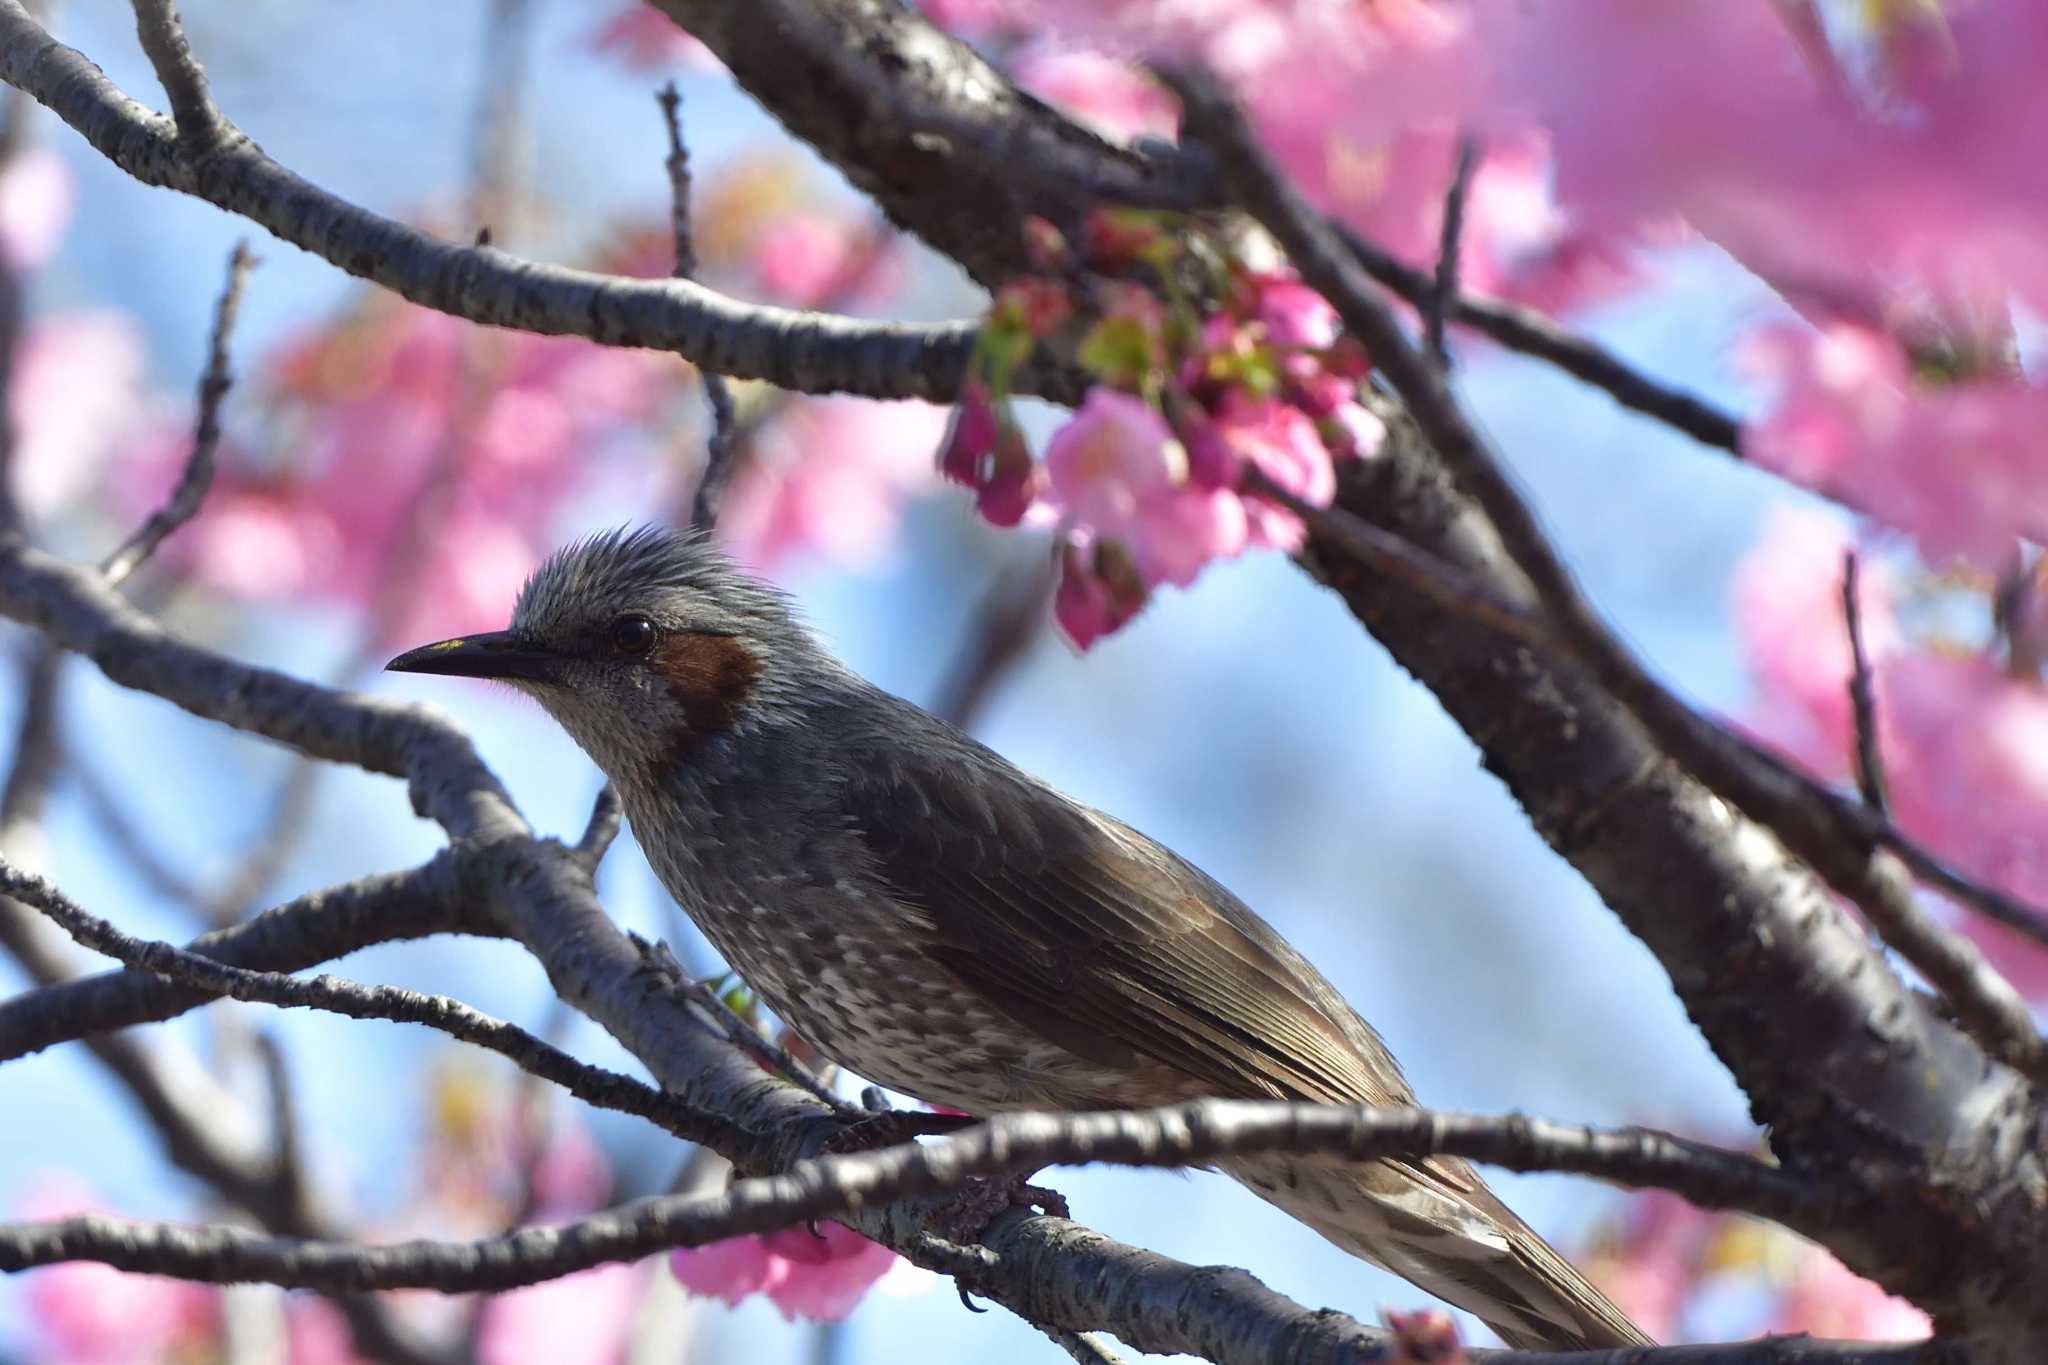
[820, 1277]
[1815, 181]
[645, 39]
[1292, 313]
[1116, 469]
[1108, 94]
[1282, 441]
[1093, 599]
[76, 393]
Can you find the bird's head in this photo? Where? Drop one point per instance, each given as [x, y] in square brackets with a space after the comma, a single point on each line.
[644, 644]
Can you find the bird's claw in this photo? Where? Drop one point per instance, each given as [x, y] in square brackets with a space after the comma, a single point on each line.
[982, 1199]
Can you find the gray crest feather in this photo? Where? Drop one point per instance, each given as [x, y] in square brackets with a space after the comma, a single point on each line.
[639, 567]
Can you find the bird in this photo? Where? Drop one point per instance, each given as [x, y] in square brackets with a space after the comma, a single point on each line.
[941, 923]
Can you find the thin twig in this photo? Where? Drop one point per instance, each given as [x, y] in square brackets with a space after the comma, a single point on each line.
[200, 125]
[718, 445]
[197, 475]
[1180, 1136]
[439, 897]
[593, 1085]
[1862, 697]
[1446, 285]
[1524, 329]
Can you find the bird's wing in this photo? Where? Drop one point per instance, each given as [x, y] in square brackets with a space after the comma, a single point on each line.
[1101, 940]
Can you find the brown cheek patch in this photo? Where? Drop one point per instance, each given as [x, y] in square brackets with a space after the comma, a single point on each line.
[712, 676]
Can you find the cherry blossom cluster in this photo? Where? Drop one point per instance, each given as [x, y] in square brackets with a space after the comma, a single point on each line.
[1145, 483]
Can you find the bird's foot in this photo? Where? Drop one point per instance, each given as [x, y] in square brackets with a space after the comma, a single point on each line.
[982, 1199]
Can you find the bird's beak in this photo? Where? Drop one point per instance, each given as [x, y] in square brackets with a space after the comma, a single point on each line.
[497, 654]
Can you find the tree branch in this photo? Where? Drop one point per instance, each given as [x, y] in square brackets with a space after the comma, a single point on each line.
[916, 119]
[593, 1085]
[440, 897]
[1184, 1135]
[200, 125]
[810, 352]
[197, 475]
[718, 445]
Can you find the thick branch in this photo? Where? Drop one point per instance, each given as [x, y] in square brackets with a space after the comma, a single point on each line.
[946, 146]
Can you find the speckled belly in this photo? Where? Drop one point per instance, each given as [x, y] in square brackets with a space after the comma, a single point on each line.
[856, 987]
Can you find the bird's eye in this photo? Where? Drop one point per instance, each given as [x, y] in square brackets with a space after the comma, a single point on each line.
[632, 635]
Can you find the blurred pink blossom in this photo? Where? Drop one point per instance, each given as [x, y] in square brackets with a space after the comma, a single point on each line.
[580, 1319]
[818, 1277]
[1959, 465]
[1787, 606]
[1087, 604]
[1426, 1336]
[645, 39]
[830, 478]
[36, 197]
[1834, 192]
[391, 414]
[804, 258]
[1106, 93]
[1964, 741]
[76, 394]
[1828, 1300]
[1282, 441]
[83, 1313]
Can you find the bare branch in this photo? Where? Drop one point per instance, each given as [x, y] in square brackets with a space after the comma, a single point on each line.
[593, 1085]
[442, 896]
[1184, 1135]
[197, 475]
[1523, 329]
[794, 349]
[605, 816]
[718, 446]
[200, 125]
[930, 130]
[1862, 699]
[1445, 287]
